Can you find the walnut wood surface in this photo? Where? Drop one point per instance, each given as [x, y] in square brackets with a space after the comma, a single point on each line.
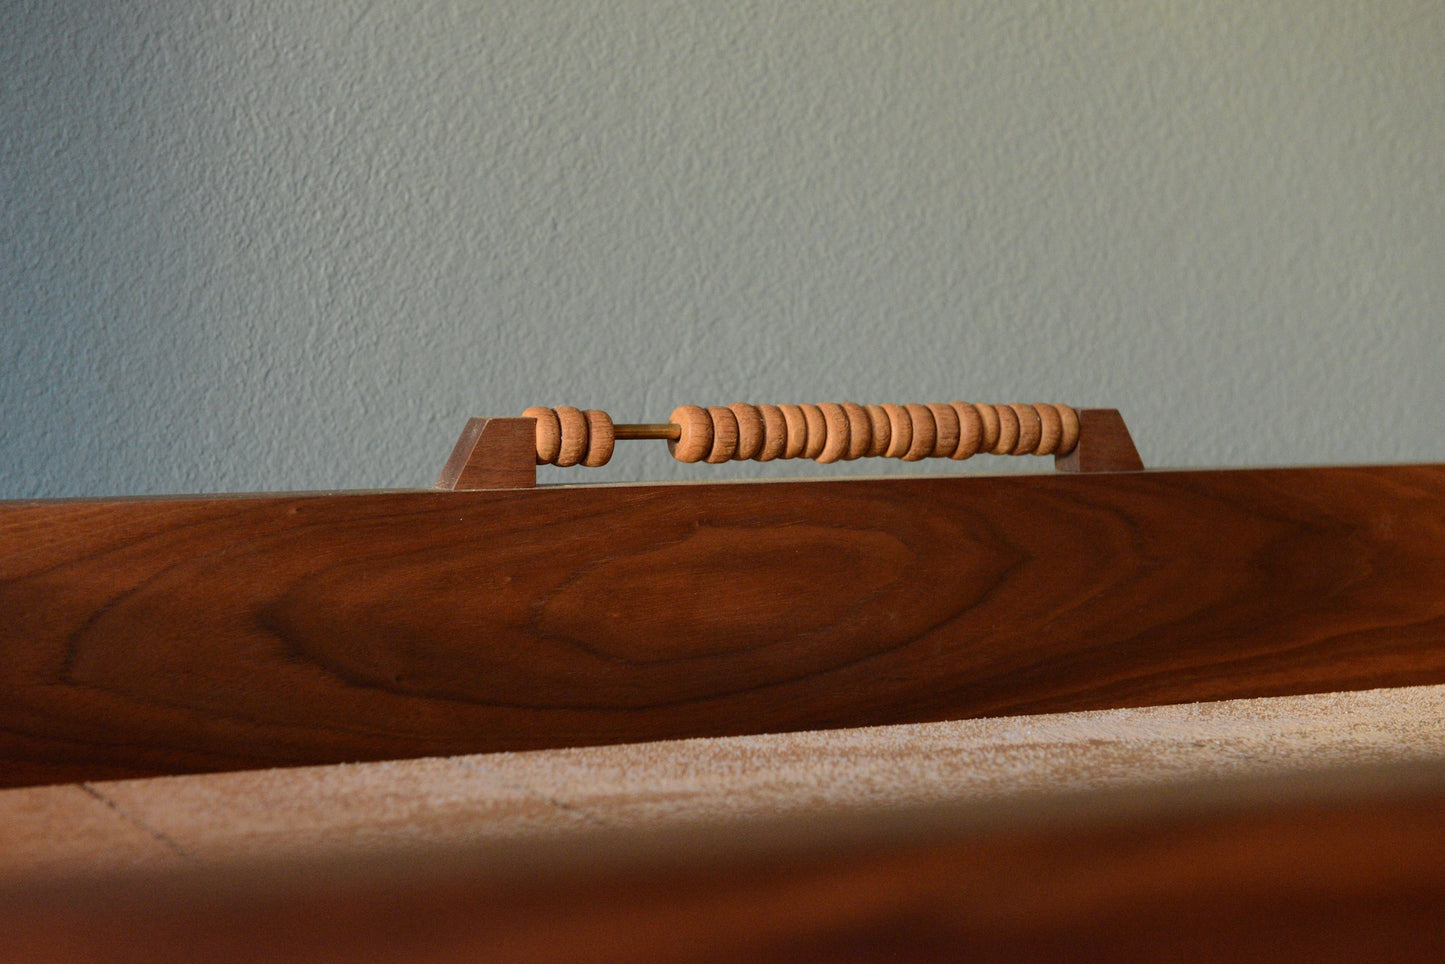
[158, 636]
[1340, 867]
[1105, 445]
[493, 453]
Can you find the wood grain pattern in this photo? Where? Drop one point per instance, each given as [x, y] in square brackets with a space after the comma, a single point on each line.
[1349, 867]
[156, 636]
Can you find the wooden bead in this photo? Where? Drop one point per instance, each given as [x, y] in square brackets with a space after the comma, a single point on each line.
[724, 434]
[900, 427]
[1008, 430]
[775, 433]
[1031, 429]
[574, 435]
[750, 430]
[549, 433]
[1051, 429]
[989, 418]
[970, 430]
[1070, 436]
[797, 436]
[945, 423]
[860, 431]
[925, 432]
[694, 441]
[601, 437]
[836, 420]
[817, 431]
[880, 430]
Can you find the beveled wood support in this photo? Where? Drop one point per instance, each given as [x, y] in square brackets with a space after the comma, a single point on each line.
[493, 453]
[1105, 445]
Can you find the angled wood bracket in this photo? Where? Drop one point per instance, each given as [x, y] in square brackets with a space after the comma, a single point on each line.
[493, 453]
[1105, 445]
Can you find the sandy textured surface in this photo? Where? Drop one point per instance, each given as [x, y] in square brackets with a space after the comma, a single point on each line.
[373, 807]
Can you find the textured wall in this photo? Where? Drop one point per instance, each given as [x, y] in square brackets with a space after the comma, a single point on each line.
[257, 245]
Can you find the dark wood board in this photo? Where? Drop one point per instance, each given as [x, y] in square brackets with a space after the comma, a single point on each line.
[156, 636]
[1334, 866]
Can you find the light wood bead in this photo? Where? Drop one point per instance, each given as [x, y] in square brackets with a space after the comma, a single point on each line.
[601, 437]
[750, 430]
[797, 430]
[925, 432]
[989, 418]
[836, 420]
[694, 441]
[1070, 437]
[549, 433]
[775, 433]
[945, 423]
[724, 434]
[1031, 429]
[860, 431]
[880, 430]
[1008, 430]
[901, 431]
[1051, 429]
[970, 430]
[574, 435]
[817, 431]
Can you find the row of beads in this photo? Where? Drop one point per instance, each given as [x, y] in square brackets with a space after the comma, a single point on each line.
[571, 436]
[831, 431]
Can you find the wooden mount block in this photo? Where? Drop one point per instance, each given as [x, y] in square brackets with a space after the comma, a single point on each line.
[493, 453]
[1105, 445]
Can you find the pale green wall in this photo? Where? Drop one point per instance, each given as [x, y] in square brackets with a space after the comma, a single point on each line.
[257, 245]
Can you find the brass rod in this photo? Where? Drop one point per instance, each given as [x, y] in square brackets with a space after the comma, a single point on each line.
[666, 430]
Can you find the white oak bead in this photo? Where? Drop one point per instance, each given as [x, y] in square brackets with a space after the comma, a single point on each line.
[694, 440]
[836, 420]
[724, 434]
[970, 430]
[860, 431]
[945, 423]
[574, 435]
[1031, 429]
[1051, 429]
[1070, 437]
[817, 431]
[601, 438]
[750, 430]
[925, 432]
[549, 433]
[797, 436]
[1008, 430]
[989, 418]
[775, 433]
[901, 431]
[880, 430]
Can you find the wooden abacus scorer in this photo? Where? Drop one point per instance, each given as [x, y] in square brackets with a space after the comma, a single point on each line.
[498, 453]
[155, 637]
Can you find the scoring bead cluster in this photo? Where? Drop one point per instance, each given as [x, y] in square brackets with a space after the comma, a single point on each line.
[830, 431]
[572, 436]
